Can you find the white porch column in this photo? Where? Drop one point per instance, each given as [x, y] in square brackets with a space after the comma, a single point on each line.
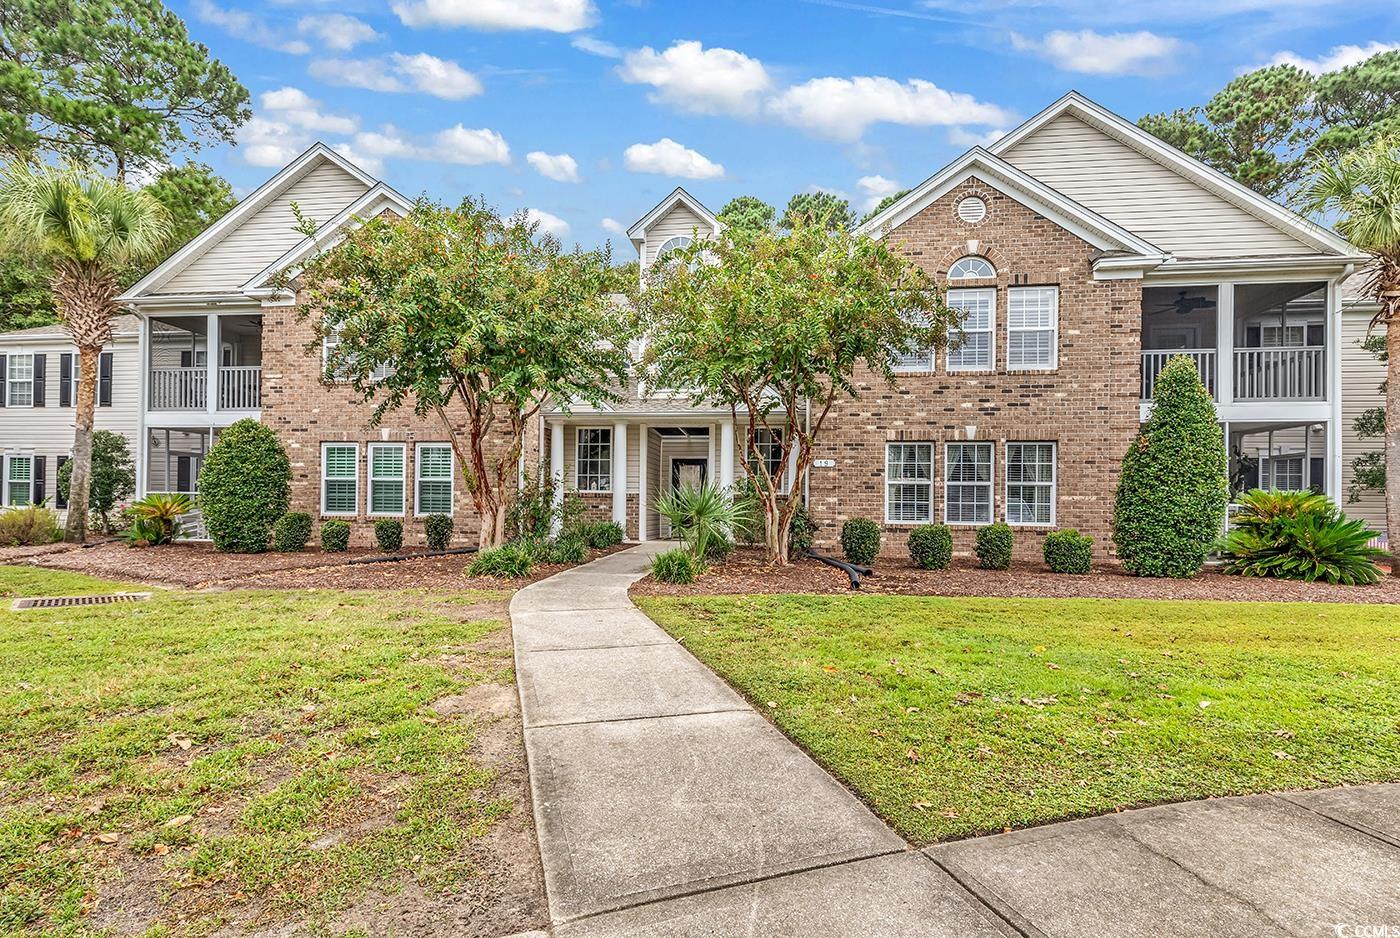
[726, 454]
[556, 466]
[143, 399]
[1225, 343]
[1333, 450]
[711, 475]
[211, 363]
[642, 473]
[619, 475]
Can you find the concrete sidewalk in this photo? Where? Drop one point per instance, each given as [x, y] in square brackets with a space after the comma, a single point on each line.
[665, 805]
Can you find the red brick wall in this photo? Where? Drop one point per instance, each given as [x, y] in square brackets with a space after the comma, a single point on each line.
[1088, 405]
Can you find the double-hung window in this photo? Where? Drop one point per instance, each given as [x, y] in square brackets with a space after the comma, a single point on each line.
[1032, 323]
[386, 473]
[1030, 483]
[593, 459]
[967, 492]
[1286, 473]
[20, 389]
[971, 348]
[433, 468]
[340, 371]
[908, 483]
[340, 478]
[19, 480]
[768, 446]
[919, 359]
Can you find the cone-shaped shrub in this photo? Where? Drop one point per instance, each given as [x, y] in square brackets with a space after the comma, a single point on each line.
[244, 487]
[1173, 491]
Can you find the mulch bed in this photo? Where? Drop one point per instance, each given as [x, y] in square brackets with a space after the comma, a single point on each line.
[747, 572]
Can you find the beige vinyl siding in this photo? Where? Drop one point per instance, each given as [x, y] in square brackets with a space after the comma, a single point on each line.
[269, 233]
[679, 220]
[654, 490]
[1361, 379]
[1142, 195]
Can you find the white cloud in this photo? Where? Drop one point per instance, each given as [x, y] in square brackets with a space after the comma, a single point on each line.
[467, 147]
[250, 28]
[595, 46]
[559, 16]
[456, 145]
[1139, 53]
[397, 73]
[962, 137]
[549, 224]
[613, 226]
[842, 108]
[1336, 58]
[295, 107]
[337, 31]
[265, 142]
[287, 122]
[874, 188]
[705, 81]
[561, 167]
[668, 158]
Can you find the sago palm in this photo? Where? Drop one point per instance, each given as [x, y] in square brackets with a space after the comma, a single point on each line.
[88, 228]
[1362, 189]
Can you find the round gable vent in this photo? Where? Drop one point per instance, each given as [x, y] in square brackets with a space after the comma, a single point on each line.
[972, 210]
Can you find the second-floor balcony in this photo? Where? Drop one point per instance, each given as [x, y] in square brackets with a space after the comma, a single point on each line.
[180, 377]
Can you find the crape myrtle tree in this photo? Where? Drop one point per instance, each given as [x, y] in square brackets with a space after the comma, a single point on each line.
[474, 318]
[773, 326]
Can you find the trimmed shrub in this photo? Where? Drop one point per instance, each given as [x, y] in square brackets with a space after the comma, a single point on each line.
[335, 536]
[29, 525]
[388, 534]
[860, 541]
[567, 549]
[599, 534]
[1171, 498]
[1068, 551]
[994, 544]
[676, 566]
[801, 530]
[244, 487]
[438, 529]
[931, 546]
[291, 532]
[113, 476]
[506, 562]
[1298, 536]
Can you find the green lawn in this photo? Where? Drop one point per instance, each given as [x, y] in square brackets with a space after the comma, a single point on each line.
[954, 717]
[191, 754]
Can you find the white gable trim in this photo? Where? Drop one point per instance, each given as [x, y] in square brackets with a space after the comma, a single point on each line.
[289, 175]
[1238, 194]
[378, 198]
[639, 230]
[1018, 185]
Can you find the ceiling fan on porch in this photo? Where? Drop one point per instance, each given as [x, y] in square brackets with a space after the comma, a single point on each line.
[1184, 304]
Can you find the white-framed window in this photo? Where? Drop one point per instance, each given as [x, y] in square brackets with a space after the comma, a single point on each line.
[433, 479]
[328, 344]
[20, 390]
[386, 478]
[908, 483]
[971, 268]
[1032, 328]
[1030, 483]
[19, 479]
[920, 360]
[972, 349]
[967, 483]
[340, 478]
[593, 459]
[678, 243]
[768, 446]
[1285, 473]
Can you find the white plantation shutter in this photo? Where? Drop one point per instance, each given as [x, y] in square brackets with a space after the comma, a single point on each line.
[971, 350]
[434, 479]
[386, 488]
[340, 464]
[1032, 318]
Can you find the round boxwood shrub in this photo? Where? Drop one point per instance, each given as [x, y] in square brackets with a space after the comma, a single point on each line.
[994, 543]
[676, 566]
[388, 534]
[1068, 551]
[860, 541]
[244, 487]
[1170, 505]
[438, 528]
[335, 535]
[291, 532]
[931, 546]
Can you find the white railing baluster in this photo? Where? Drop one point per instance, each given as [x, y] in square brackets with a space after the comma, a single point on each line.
[1154, 360]
[1281, 374]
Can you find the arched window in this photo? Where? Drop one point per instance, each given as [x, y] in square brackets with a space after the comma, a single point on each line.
[673, 244]
[972, 268]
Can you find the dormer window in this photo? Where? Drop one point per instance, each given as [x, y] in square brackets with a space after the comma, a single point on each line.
[972, 268]
[678, 243]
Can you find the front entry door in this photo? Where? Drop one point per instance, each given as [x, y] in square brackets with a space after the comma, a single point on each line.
[691, 472]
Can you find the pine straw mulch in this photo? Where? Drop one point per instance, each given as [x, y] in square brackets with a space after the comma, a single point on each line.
[745, 571]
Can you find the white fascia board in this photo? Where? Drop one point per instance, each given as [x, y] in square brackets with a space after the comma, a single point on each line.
[1261, 207]
[638, 231]
[287, 176]
[145, 305]
[1315, 264]
[1025, 189]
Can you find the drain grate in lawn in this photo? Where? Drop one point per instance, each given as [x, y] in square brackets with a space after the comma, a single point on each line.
[58, 602]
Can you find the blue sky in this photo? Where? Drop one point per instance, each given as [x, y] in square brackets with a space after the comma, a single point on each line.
[589, 111]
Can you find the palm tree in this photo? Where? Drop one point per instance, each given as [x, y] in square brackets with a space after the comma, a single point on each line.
[1362, 189]
[88, 228]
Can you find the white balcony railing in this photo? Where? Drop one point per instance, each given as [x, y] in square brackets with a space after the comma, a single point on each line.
[1154, 360]
[179, 388]
[1281, 374]
[240, 387]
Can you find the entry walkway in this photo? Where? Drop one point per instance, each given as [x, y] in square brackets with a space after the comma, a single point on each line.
[665, 805]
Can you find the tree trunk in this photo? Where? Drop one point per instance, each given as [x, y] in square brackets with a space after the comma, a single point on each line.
[80, 482]
[1390, 315]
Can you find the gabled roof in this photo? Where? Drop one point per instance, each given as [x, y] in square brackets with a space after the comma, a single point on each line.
[317, 155]
[1002, 176]
[1128, 133]
[377, 199]
[638, 231]
[123, 325]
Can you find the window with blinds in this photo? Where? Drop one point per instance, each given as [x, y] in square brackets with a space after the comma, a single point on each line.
[1030, 483]
[967, 494]
[909, 483]
[386, 474]
[972, 348]
[1032, 323]
[340, 465]
[434, 479]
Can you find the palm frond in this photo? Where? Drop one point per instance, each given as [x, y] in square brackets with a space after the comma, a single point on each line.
[76, 215]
